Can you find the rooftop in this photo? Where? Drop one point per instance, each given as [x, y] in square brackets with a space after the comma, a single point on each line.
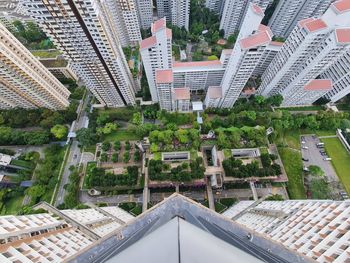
[257, 9]
[164, 76]
[343, 35]
[186, 232]
[276, 43]
[159, 24]
[148, 42]
[315, 25]
[305, 21]
[318, 85]
[182, 93]
[342, 6]
[214, 92]
[5, 159]
[197, 64]
[258, 39]
[54, 63]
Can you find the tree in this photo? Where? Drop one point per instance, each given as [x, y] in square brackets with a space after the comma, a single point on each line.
[260, 99]
[59, 131]
[86, 137]
[105, 146]
[316, 170]
[137, 118]
[102, 119]
[275, 100]
[36, 191]
[212, 57]
[108, 128]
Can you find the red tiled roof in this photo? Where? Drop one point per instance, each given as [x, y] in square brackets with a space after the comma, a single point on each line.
[214, 92]
[148, 42]
[257, 9]
[221, 42]
[258, 39]
[318, 84]
[164, 76]
[305, 21]
[197, 64]
[343, 35]
[342, 6]
[159, 24]
[316, 24]
[182, 93]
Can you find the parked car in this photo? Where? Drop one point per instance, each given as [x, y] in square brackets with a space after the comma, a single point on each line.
[305, 159]
[305, 147]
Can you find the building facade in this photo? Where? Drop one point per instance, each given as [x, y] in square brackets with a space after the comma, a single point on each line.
[24, 81]
[177, 12]
[215, 5]
[268, 55]
[246, 54]
[145, 13]
[313, 46]
[289, 12]
[234, 12]
[124, 15]
[314, 228]
[85, 32]
[339, 73]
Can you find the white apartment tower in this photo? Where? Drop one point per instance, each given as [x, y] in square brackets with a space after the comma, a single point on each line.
[156, 54]
[313, 46]
[339, 73]
[145, 13]
[125, 16]
[247, 52]
[86, 33]
[234, 13]
[24, 81]
[318, 229]
[176, 11]
[289, 12]
[268, 55]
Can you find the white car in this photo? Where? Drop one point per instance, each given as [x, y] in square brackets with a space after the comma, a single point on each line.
[305, 147]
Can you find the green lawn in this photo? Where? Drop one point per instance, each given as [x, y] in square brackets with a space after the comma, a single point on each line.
[91, 149]
[22, 163]
[340, 160]
[122, 114]
[12, 205]
[122, 135]
[292, 163]
[46, 53]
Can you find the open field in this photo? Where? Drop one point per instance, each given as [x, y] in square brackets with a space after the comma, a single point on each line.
[122, 135]
[340, 160]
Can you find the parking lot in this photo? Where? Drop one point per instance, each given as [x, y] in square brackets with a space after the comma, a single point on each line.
[312, 155]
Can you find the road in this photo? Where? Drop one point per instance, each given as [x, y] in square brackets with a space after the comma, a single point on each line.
[74, 154]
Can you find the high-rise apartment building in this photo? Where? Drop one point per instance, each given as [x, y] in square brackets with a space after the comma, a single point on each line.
[234, 12]
[289, 12]
[339, 73]
[24, 81]
[156, 53]
[86, 33]
[316, 229]
[215, 5]
[313, 46]
[176, 11]
[145, 13]
[246, 54]
[266, 58]
[124, 15]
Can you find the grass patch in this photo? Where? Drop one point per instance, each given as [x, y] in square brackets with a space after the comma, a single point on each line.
[122, 135]
[219, 208]
[157, 156]
[227, 153]
[46, 53]
[293, 165]
[121, 114]
[263, 150]
[228, 201]
[193, 154]
[90, 149]
[22, 163]
[12, 205]
[89, 167]
[340, 160]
